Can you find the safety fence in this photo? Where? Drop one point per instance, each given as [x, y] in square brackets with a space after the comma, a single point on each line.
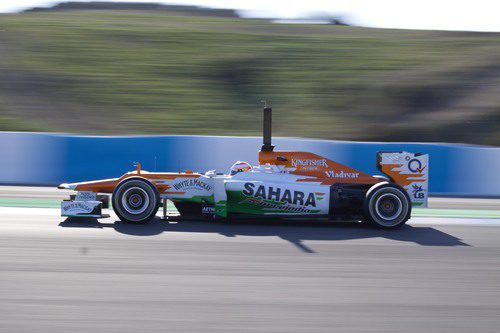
[50, 159]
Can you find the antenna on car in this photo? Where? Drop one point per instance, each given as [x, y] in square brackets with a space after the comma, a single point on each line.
[138, 165]
[267, 126]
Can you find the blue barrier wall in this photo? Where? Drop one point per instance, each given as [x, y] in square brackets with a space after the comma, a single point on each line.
[50, 159]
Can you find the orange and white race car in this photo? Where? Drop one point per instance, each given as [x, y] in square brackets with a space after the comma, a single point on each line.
[285, 184]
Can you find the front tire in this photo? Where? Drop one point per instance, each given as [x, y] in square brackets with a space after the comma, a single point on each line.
[387, 206]
[136, 200]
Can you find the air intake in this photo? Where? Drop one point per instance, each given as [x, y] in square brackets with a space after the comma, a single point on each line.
[267, 128]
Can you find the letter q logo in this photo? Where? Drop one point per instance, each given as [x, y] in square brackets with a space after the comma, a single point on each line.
[415, 166]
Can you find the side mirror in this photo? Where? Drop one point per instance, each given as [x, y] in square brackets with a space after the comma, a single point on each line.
[281, 159]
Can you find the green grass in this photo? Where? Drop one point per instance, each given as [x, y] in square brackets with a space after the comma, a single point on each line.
[457, 213]
[123, 72]
[30, 202]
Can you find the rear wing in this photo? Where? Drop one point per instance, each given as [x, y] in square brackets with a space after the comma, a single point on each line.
[409, 170]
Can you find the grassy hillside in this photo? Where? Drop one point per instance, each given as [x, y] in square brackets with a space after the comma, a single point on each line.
[158, 73]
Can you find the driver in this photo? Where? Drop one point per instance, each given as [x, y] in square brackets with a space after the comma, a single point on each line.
[240, 166]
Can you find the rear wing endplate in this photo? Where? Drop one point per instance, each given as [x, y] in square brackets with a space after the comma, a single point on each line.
[409, 170]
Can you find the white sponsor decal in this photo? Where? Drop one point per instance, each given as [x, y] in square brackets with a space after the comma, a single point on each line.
[85, 196]
[192, 184]
[310, 163]
[341, 174]
[208, 210]
[280, 195]
[79, 207]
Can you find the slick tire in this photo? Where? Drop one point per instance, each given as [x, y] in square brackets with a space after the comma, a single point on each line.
[135, 200]
[387, 206]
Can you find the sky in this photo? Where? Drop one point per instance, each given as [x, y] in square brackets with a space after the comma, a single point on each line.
[477, 15]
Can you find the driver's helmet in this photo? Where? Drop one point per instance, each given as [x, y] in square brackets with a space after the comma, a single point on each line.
[240, 166]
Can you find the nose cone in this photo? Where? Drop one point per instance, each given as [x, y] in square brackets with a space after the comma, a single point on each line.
[65, 186]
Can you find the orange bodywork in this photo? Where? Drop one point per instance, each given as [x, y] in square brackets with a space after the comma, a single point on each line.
[108, 185]
[400, 178]
[312, 167]
[315, 168]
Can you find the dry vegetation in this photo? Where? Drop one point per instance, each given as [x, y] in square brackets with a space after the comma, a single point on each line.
[117, 72]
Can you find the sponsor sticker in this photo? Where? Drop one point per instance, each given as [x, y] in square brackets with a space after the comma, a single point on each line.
[78, 207]
[86, 196]
[341, 174]
[417, 191]
[208, 210]
[192, 184]
[309, 163]
[280, 196]
[415, 165]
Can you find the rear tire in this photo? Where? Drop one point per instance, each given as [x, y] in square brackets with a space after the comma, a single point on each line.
[387, 206]
[136, 200]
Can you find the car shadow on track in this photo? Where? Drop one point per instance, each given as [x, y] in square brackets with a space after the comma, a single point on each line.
[295, 232]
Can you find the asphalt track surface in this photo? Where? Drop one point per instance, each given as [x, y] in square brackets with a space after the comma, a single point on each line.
[433, 275]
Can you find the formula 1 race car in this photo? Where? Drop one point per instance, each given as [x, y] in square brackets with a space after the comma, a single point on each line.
[285, 184]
